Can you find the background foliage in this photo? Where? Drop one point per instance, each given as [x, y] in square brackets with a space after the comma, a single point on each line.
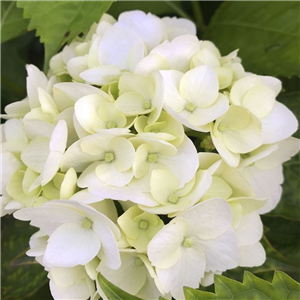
[268, 36]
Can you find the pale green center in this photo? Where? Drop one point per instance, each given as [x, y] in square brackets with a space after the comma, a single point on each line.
[109, 157]
[207, 144]
[86, 224]
[222, 127]
[110, 125]
[147, 104]
[246, 155]
[143, 224]
[173, 198]
[187, 242]
[190, 106]
[139, 262]
[152, 157]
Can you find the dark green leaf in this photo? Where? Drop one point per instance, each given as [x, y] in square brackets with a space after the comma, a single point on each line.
[267, 34]
[282, 288]
[159, 8]
[12, 22]
[112, 292]
[18, 281]
[59, 22]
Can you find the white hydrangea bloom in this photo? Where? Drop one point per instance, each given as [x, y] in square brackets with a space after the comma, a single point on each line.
[258, 94]
[118, 120]
[198, 240]
[237, 131]
[192, 98]
[77, 233]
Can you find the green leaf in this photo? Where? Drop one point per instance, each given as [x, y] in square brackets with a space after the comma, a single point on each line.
[112, 292]
[18, 281]
[12, 22]
[59, 22]
[282, 288]
[267, 34]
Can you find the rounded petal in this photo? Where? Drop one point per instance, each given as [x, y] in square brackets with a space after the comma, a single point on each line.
[203, 116]
[71, 245]
[221, 253]
[186, 272]
[209, 219]
[164, 250]
[252, 255]
[279, 124]
[200, 86]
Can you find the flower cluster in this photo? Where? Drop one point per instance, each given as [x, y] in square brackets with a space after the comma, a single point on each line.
[140, 115]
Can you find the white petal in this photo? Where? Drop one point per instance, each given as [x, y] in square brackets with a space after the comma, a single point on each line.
[221, 253]
[164, 250]
[232, 159]
[35, 79]
[241, 87]
[49, 217]
[71, 245]
[209, 219]
[76, 66]
[250, 229]
[184, 163]
[109, 174]
[279, 124]
[130, 277]
[109, 252]
[172, 96]
[186, 272]
[200, 86]
[35, 154]
[65, 94]
[286, 149]
[252, 255]
[116, 45]
[261, 180]
[203, 116]
[101, 75]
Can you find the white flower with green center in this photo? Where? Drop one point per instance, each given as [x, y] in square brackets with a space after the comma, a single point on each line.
[165, 128]
[135, 276]
[77, 233]
[62, 186]
[98, 190]
[44, 155]
[193, 98]
[119, 50]
[238, 131]
[97, 112]
[114, 154]
[199, 240]
[140, 95]
[228, 68]
[258, 94]
[154, 154]
[139, 227]
[174, 55]
[170, 198]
